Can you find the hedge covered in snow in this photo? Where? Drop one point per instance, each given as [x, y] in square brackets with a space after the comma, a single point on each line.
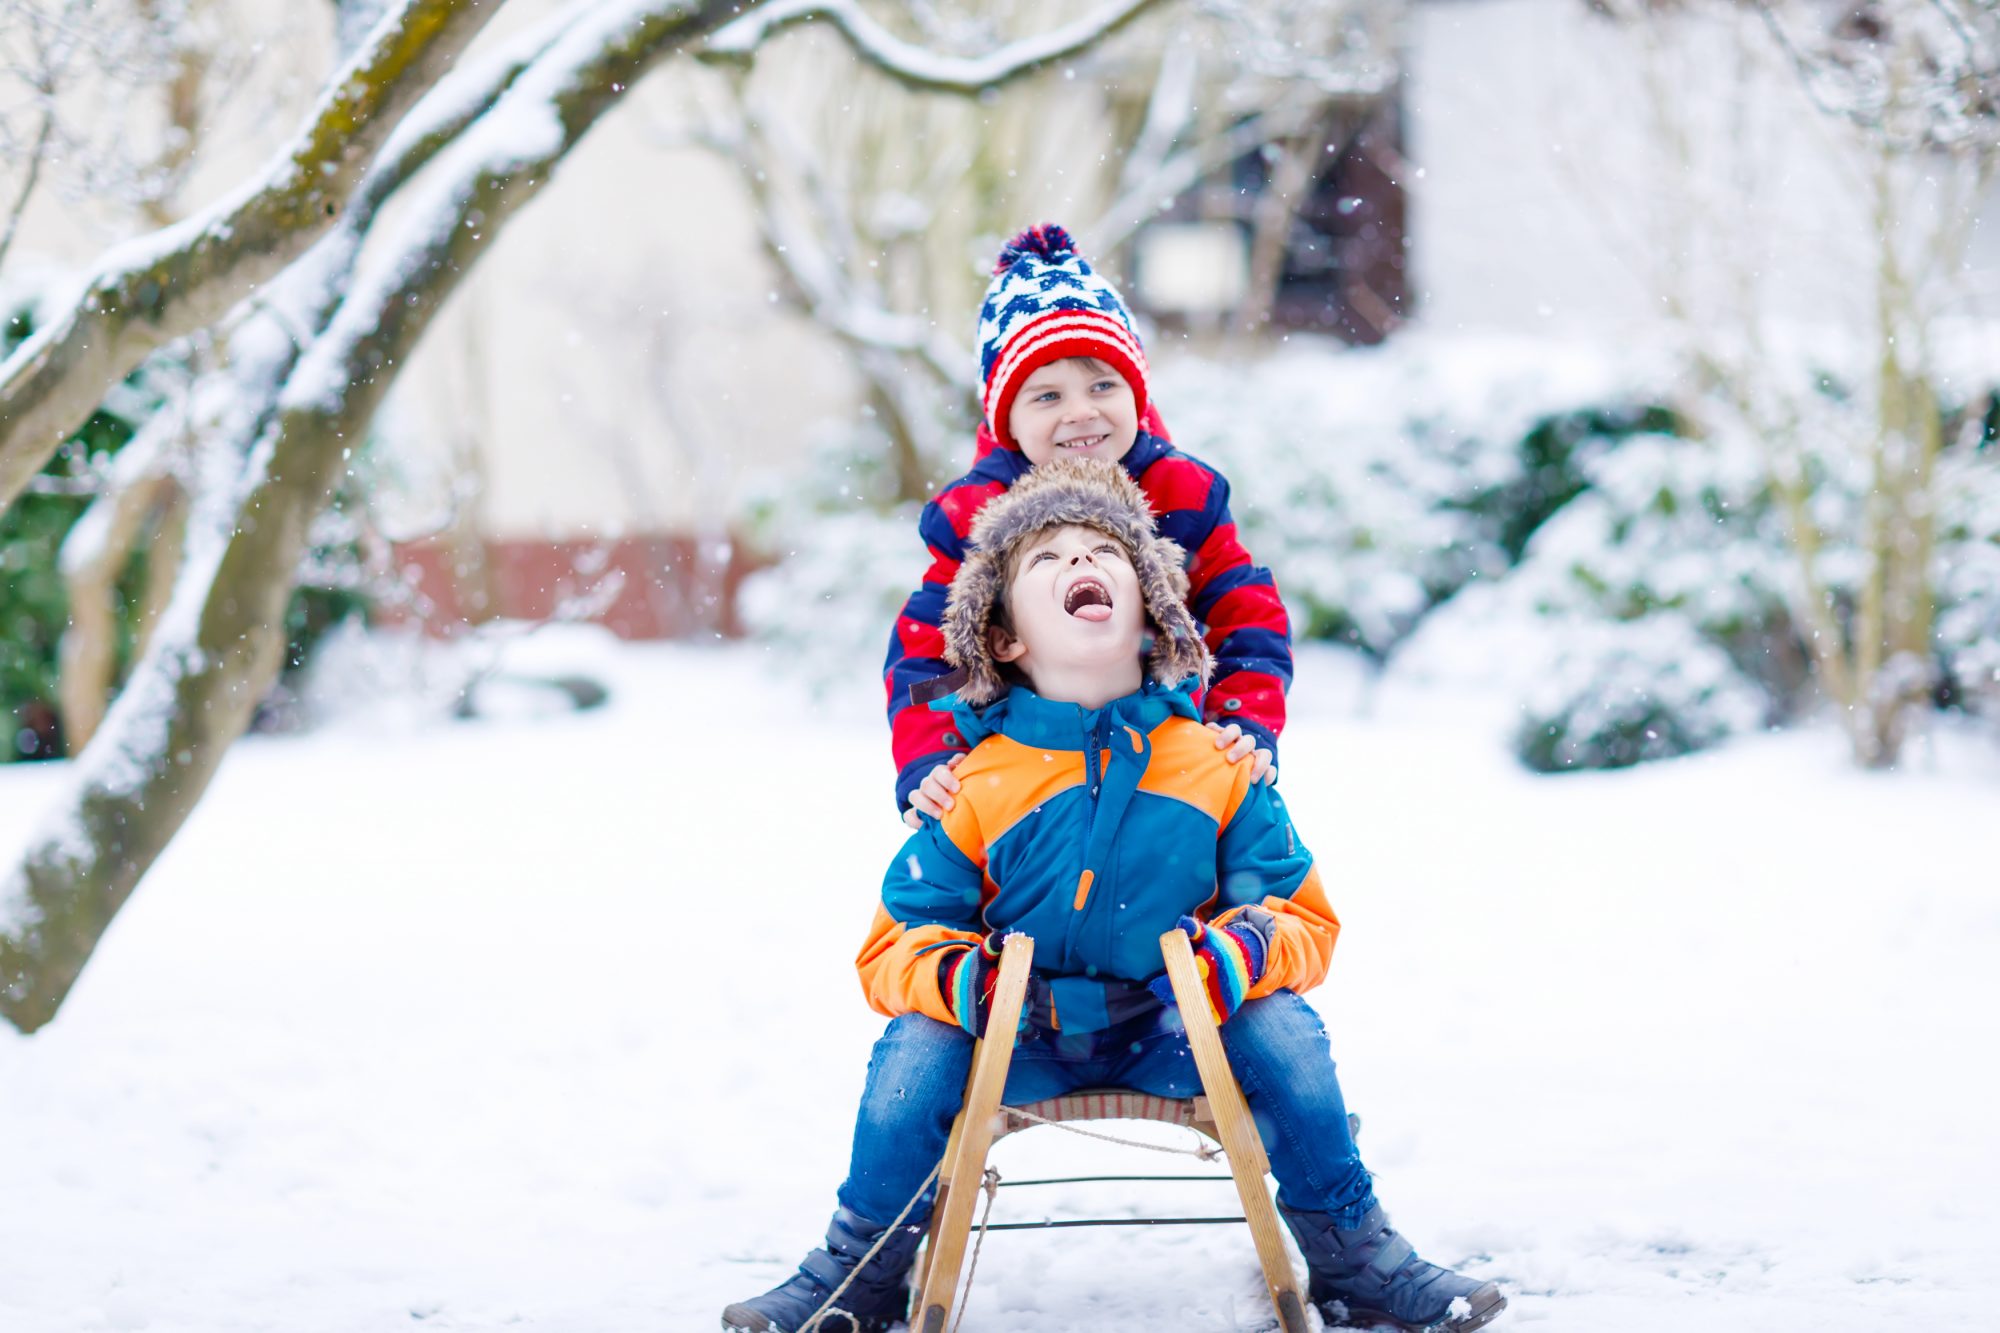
[1643, 563]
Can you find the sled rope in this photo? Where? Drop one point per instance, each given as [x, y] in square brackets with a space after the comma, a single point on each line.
[990, 1185]
[1204, 1150]
[828, 1307]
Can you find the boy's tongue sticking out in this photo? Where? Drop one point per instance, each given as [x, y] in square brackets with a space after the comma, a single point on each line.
[1088, 599]
[1072, 618]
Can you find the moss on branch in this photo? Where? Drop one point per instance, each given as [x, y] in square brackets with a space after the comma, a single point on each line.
[205, 266]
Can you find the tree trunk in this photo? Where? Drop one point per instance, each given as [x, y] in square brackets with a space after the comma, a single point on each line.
[90, 640]
[1294, 162]
[221, 643]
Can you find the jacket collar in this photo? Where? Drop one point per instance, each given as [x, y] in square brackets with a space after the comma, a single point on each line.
[1026, 717]
[1145, 451]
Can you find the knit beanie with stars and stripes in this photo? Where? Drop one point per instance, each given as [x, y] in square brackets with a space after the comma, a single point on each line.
[1044, 304]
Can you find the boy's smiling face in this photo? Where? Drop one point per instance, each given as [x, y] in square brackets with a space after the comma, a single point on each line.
[1077, 407]
[1077, 617]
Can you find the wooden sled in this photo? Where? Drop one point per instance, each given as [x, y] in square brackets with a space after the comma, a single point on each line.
[1220, 1115]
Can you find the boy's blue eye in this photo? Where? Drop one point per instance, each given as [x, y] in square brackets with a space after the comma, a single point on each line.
[1102, 384]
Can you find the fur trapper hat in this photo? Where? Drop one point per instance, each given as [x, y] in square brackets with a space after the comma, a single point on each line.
[1086, 492]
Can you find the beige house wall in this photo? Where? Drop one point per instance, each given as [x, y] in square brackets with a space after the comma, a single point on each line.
[618, 362]
[1548, 201]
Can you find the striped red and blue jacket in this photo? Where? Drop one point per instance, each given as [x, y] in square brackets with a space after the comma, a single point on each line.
[1234, 598]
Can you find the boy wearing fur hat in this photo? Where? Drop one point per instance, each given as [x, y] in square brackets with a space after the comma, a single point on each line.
[1063, 375]
[1094, 812]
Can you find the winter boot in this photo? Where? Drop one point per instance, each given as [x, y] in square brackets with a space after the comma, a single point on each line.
[878, 1296]
[1368, 1274]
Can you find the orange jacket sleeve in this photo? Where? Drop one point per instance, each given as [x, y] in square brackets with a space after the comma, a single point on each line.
[930, 909]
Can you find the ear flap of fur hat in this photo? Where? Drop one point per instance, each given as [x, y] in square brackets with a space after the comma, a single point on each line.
[1090, 493]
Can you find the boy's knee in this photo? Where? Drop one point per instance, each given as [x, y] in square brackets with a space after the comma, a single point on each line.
[1280, 1026]
[920, 1041]
[919, 1065]
[916, 1027]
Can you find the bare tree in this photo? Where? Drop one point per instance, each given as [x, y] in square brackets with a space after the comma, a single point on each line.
[187, 277]
[308, 363]
[1909, 122]
[37, 50]
[882, 204]
[141, 500]
[109, 101]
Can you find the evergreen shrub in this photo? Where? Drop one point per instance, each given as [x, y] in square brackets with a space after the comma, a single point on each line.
[1623, 692]
[34, 603]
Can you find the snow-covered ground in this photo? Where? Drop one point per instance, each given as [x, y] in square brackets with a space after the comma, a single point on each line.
[551, 1024]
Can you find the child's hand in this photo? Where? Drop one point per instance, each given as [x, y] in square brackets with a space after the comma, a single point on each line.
[966, 980]
[1230, 959]
[934, 795]
[1241, 746]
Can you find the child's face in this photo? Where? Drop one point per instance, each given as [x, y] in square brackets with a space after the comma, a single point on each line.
[1077, 614]
[1074, 408]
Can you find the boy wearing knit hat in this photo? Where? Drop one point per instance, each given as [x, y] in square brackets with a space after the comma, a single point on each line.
[1089, 805]
[1064, 375]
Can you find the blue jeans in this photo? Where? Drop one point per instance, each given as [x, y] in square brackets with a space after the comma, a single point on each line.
[1277, 1047]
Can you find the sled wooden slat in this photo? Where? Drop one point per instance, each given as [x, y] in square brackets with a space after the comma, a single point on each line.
[972, 1136]
[1238, 1132]
[1111, 1104]
[921, 1278]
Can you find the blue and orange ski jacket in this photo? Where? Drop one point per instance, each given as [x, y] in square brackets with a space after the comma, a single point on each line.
[1094, 831]
[1235, 598]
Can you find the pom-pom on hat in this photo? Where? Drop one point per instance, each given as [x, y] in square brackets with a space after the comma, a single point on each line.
[1045, 303]
[1090, 493]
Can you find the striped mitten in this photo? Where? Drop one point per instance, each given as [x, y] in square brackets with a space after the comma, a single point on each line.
[966, 978]
[1230, 959]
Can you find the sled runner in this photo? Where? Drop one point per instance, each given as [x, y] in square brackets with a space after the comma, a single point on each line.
[1220, 1115]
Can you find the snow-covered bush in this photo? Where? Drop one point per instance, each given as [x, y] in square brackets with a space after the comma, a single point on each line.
[1699, 528]
[1656, 571]
[1671, 524]
[1968, 573]
[1378, 482]
[1623, 692]
[831, 601]
[1374, 482]
[34, 605]
[1671, 586]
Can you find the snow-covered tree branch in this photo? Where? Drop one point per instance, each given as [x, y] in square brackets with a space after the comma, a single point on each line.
[887, 251]
[913, 66]
[184, 277]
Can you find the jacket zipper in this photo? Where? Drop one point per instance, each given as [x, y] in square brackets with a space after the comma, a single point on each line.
[1094, 778]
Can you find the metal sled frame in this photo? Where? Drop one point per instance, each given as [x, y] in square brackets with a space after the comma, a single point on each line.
[1220, 1115]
